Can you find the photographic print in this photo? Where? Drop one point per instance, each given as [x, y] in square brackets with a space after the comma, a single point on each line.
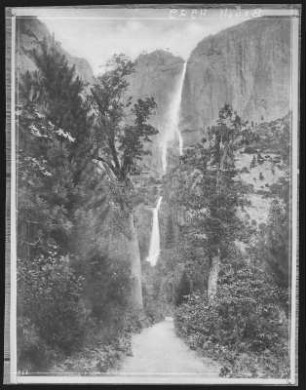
[153, 204]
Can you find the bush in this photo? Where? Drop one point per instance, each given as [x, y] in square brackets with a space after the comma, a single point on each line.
[107, 287]
[244, 319]
[107, 343]
[97, 360]
[33, 353]
[50, 312]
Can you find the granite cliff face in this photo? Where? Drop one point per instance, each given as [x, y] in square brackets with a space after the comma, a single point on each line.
[247, 66]
[30, 32]
[156, 75]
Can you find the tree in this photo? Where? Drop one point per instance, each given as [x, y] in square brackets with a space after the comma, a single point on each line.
[223, 222]
[277, 243]
[46, 321]
[212, 193]
[60, 93]
[121, 132]
[44, 182]
[54, 133]
[245, 309]
[272, 248]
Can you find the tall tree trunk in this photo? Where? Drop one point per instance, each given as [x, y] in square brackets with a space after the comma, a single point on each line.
[213, 277]
[135, 265]
[215, 263]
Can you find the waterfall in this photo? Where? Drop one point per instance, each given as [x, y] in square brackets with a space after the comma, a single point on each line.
[171, 131]
[172, 124]
[155, 236]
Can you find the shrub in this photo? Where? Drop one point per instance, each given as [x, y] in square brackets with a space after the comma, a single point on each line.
[244, 319]
[49, 306]
[106, 344]
[33, 352]
[107, 287]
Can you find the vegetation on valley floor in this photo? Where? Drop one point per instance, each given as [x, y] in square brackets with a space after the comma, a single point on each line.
[83, 287]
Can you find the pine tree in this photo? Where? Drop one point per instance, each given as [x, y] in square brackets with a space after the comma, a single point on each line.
[60, 94]
[54, 138]
[48, 289]
[122, 130]
[212, 193]
[222, 223]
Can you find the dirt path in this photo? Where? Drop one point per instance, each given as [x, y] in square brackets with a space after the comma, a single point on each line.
[159, 350]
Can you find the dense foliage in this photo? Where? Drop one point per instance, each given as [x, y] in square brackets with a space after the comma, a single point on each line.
[242, 327]
[73, 283]
[245, 325]
[208, 192]
[122, 129]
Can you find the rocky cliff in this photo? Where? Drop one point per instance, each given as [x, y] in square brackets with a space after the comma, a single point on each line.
[247, 66]
[30, 32]
[156, 74]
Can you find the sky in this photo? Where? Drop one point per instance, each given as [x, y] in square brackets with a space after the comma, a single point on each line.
[97, 33]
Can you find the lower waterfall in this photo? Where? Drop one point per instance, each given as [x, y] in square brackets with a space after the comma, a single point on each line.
[154, 249]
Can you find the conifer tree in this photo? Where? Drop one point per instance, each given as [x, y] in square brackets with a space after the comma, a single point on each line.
[212, 192]
[122, 130]
[45, 189]
[60, 93]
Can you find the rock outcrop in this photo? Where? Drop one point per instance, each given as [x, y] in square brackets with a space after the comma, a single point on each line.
[247, 66]
[30, 32]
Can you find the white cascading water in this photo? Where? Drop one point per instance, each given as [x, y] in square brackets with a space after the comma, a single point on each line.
[172, 130]
[173, 117]
[154, 249]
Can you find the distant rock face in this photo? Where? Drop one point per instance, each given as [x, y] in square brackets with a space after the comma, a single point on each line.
[30, 32]
[247, 66]
[156, 75]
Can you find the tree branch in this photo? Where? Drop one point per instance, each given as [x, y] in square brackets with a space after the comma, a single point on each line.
[106, 163]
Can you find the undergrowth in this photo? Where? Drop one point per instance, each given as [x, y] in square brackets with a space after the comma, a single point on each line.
[105, 346]
[243, 329]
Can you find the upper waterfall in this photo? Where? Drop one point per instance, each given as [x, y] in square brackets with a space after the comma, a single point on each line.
[154, 249]
[173, 118]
